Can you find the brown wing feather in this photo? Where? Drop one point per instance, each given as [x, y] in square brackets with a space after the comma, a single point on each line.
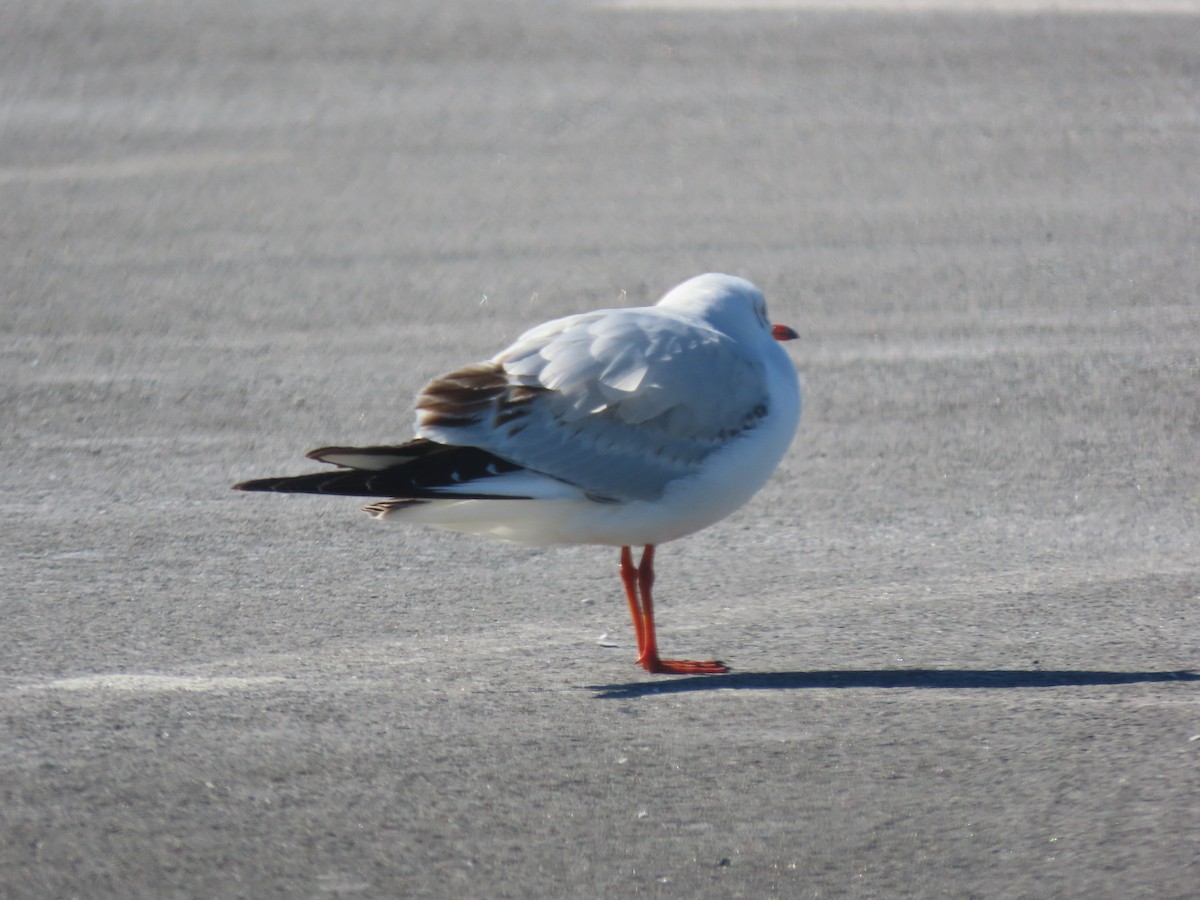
[462, 396]
[473, 394]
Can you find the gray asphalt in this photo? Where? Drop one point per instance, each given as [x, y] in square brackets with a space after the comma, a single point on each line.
[962, 616]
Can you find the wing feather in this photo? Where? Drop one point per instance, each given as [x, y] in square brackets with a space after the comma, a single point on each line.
[606, 401]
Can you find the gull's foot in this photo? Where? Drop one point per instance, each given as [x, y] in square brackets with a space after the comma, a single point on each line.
[684, 666]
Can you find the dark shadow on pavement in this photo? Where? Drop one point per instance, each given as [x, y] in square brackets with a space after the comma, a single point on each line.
[887, 678]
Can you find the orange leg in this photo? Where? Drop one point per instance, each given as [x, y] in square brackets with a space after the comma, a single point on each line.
[638, 584]
[629, 577]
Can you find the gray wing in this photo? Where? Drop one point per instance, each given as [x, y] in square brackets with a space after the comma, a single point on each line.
[617, 402]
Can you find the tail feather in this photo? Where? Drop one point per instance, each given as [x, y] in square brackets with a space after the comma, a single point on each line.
[385, 508]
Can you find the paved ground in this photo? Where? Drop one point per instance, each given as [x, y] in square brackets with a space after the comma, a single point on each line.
[962, 615]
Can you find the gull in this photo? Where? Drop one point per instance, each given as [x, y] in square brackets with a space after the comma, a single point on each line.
[619, 427]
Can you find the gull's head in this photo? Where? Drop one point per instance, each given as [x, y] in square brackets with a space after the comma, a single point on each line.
[727, 303]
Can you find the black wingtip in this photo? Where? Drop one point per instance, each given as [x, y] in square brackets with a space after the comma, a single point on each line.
[418, 470]
[257, 484]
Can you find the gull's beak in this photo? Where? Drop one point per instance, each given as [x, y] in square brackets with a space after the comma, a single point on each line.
[783, 333]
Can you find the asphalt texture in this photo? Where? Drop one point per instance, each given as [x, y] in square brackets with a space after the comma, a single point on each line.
[962, 617]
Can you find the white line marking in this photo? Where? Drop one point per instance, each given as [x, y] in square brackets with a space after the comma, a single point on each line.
[153, 683]
[138, 167]
[1010, 7]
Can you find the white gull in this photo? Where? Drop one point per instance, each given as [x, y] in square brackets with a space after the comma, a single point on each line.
[619, 427]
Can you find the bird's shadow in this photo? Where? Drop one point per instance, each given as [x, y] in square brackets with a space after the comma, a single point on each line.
[955, 679]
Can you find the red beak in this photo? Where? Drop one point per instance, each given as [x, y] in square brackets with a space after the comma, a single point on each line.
[783, 333]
